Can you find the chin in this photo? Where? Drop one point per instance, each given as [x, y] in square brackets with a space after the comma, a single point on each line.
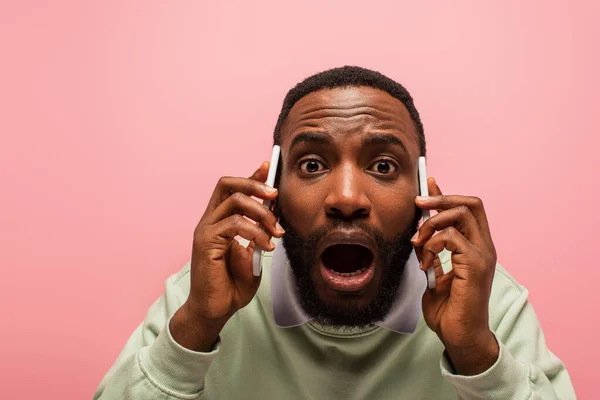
[341, 308]
[337, 300]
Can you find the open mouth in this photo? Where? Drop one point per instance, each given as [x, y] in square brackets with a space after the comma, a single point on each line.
[347, 259]
[347, 267]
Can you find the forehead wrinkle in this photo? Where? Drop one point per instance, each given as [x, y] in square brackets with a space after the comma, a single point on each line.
[347, 112]
[329, 112]
[364, 121]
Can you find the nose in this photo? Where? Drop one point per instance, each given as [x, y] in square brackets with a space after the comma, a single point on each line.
[347, 198]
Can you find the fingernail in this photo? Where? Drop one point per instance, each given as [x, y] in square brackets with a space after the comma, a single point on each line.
[272, 245]
[270, 189]
[415, 237]
[421, 265]
[279, 228]
[422, 198]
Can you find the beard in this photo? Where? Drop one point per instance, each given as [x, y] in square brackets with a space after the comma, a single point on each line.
[391, 258]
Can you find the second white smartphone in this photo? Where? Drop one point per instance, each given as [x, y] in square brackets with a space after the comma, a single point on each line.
[424, 191]
[258, 253]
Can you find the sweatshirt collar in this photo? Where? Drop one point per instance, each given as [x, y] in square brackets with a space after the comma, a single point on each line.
[403, 317]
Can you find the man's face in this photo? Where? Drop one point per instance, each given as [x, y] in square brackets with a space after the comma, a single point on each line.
[347, 189]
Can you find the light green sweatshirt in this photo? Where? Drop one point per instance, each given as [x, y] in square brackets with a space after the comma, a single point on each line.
[255, 359]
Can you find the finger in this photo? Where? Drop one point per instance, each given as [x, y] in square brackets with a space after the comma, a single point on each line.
[419, 253]
[248, 250]
[239, 203]
[228, 185]
[242, 256]
[235, 225]
[449, 238]
[261, 173]
[437, 264]
[433, 298]
[239, 252]
[441, 278]
[446, 202]
[434, 189]
[459, 217]
[241, 273]
[238, 267]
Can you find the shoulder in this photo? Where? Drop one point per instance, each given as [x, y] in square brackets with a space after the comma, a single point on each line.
[506, 294]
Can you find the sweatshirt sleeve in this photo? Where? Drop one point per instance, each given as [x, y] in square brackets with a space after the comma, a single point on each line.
[525, 369]
[152, 365]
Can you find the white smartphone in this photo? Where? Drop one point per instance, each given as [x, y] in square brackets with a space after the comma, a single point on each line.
[424, 191]
[258, 253]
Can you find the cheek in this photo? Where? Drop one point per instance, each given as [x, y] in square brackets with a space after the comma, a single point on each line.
[300, 206]
[396, 211]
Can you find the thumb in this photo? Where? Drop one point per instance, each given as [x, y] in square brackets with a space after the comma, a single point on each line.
[434, 189]
[261, 173]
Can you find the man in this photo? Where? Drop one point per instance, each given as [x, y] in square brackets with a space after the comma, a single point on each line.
[341, 310]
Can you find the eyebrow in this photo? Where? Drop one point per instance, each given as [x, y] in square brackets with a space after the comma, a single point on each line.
[384, 139]
[371, 140]
[310, 137]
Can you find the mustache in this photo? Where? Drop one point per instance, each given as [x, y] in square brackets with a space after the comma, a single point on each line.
[345, 224]
[333, 224]
[317, 235]
[352, 225]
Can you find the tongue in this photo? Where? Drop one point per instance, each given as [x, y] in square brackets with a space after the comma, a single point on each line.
[343, 258]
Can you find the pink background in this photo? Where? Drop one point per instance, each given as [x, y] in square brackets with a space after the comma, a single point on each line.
[117, 118]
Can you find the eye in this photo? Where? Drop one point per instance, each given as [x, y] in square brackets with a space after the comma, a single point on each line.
[383, 167]
[311, 166]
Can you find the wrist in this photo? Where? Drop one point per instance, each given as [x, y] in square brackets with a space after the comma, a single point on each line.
[476, 357]
[194, 333]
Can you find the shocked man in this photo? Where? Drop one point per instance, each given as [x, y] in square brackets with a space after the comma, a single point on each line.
[342, 309]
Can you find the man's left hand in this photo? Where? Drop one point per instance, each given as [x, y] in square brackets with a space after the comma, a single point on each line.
[457, 309]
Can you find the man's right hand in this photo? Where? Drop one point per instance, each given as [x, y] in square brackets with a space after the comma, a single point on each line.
[221, 269]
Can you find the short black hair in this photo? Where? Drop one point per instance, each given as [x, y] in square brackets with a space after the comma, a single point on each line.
[348, 76]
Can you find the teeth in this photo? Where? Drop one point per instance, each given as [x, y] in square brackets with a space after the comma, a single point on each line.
[357, 272]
